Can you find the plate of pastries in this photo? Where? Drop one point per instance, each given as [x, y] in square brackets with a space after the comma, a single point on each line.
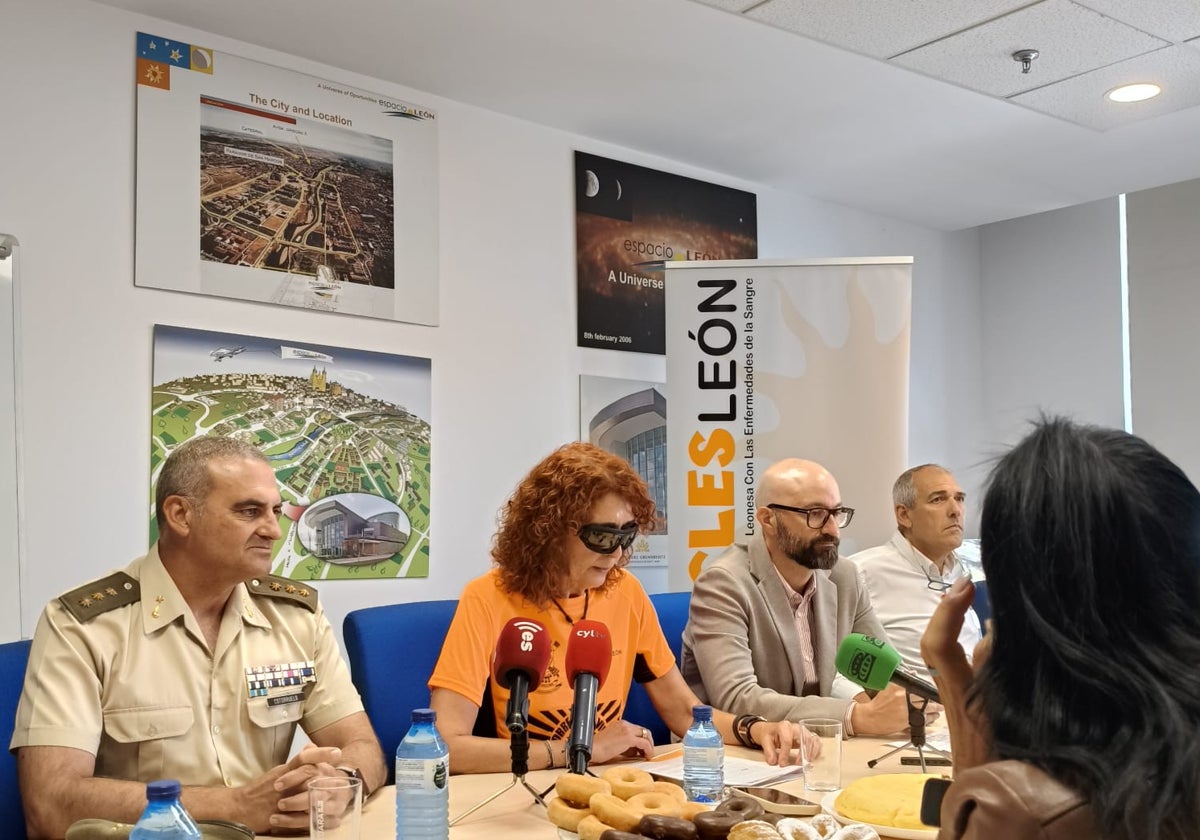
[890, 803]
[628, 804]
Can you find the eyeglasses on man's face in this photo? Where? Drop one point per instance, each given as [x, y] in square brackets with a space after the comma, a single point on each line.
[604, 539]
[816, 517]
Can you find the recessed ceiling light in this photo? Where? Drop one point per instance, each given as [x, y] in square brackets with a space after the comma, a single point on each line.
[1134, 93]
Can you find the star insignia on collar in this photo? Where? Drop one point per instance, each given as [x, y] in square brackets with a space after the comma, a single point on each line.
[289, 589]
[276, 586]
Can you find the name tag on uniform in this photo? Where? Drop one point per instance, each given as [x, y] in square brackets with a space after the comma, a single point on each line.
[279, 682]
[295, 697]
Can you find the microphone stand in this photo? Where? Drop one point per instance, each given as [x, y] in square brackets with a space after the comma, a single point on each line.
[916, 731]
[519, 747]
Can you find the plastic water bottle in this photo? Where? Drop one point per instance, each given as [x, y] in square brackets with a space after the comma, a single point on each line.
[703, 758]
[422, 776]
[164, 817]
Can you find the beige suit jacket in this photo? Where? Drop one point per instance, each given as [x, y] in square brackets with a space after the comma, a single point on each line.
[741, 651]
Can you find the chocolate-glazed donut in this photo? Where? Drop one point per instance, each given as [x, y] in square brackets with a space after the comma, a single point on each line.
[662, 827]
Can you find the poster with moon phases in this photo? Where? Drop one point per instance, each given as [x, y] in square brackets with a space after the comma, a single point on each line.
[629, 221]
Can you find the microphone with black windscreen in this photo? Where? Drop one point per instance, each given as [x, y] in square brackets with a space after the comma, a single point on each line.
[873, 663]
[522, 654]
[589, 656]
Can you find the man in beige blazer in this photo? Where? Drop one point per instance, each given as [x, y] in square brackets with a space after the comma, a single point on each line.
[767, 617]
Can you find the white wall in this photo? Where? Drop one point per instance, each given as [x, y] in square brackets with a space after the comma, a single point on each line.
[1051, 303]
[505, 367]
[1164, 302]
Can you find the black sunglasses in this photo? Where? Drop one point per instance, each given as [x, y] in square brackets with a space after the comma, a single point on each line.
[604, 539]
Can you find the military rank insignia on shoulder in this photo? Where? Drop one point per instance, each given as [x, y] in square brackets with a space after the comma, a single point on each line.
[101, 596]
[273, 586]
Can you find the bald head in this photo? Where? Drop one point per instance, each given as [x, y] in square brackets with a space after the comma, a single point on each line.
[788, 493]
[794, 481]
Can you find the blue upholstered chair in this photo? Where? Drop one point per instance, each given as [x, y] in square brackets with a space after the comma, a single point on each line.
[672, 609]
[981, 605]
[13, 658]
[392, 651]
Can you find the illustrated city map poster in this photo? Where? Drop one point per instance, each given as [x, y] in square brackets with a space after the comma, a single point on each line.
[258, 183]
[347, 432]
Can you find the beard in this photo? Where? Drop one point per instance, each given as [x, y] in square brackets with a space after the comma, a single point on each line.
[818, 553]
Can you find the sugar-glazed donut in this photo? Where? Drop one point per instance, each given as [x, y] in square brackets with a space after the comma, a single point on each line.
[656, 803]
[565, 815]
[628, 781]
[754, 830]
[591, 828]
[615, 811]
[689, 810]
[578, 789]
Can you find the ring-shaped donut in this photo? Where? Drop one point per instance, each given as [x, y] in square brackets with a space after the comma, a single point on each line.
[579, 789]
[743, 807]
[670, 789]
[615, 811]
[565, 815]
[715, 825]
[591, 828]
[661, 827]
[655, 803]
[754, 830]
[628, 781]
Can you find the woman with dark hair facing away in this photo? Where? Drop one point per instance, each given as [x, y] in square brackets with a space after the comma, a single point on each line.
[560, 554]
[1083, 717]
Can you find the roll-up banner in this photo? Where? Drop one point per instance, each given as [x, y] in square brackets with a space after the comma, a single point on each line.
[776, 359]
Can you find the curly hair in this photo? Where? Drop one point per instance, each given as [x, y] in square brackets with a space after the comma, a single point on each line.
[1091, 545]
[549, 506]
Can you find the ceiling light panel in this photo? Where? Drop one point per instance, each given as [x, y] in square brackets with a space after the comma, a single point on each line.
[1083, 99]
[1072, 40]
[879, 29]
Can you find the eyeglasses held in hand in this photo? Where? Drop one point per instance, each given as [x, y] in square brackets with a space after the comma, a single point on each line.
[817, 517]
[603, 539]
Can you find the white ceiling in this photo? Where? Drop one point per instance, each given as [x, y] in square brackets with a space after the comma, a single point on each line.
[695, 83]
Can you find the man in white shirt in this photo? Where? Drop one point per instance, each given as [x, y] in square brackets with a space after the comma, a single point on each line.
[907, 575]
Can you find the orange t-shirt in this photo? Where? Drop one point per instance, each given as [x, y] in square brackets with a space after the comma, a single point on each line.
[465, 663]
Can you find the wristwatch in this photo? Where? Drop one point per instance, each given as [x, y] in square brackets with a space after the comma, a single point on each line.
[354, 773]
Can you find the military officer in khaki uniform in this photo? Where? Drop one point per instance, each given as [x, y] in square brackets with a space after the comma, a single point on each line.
[193, 663]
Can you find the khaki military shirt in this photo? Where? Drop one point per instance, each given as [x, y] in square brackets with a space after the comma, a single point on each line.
[137, 686]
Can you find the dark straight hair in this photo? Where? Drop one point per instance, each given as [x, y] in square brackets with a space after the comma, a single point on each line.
[1091, 546]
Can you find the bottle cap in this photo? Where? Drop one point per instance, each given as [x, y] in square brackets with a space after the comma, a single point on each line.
[701, 712]
[424, 716]
[163, 789]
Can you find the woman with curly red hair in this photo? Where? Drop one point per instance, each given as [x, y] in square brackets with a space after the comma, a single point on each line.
[560, 552]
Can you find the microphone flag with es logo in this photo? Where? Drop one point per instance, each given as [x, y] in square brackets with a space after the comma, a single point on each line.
[873, 663]
[522, 655]
[589, 656]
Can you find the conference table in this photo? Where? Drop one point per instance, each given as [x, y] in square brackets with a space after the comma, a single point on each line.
[516, 814]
